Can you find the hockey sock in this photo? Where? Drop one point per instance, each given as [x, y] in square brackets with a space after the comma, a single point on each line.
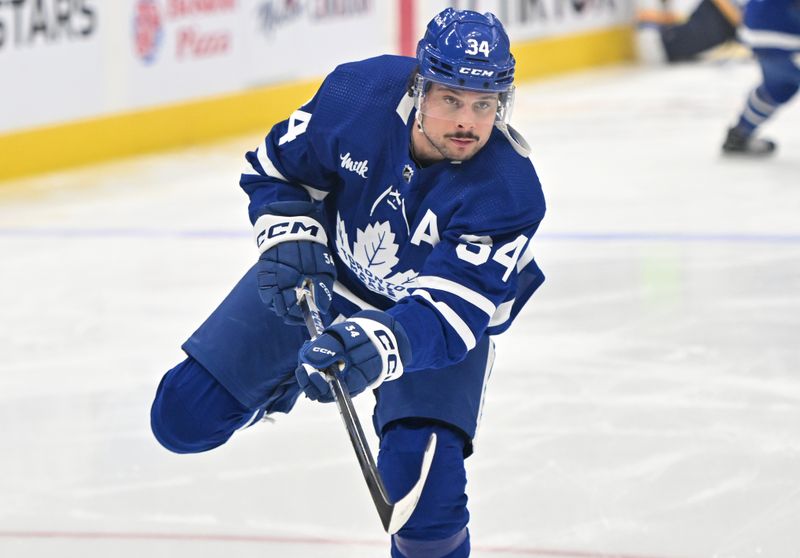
[437, 528]
[455, 546]
[758, 109]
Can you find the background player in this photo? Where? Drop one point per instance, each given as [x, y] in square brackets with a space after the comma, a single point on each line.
[772, 29]
[401, 191]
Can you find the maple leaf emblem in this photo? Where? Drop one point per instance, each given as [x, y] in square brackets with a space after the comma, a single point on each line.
[342, 241]
[375, 248]
[406, 278]
[372, 258]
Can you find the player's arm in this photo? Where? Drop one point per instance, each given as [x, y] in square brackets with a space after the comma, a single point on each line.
[294, 161]
[471, 283]
[285, 178]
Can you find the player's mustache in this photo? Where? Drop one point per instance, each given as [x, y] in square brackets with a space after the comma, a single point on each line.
[463, 135]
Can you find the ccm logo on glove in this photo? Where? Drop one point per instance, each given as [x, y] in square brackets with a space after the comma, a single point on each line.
[382, 339]
[293, 249]
[274, 229]
[392, 357]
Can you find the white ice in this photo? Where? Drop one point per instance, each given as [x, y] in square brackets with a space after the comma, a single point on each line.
[645, 404]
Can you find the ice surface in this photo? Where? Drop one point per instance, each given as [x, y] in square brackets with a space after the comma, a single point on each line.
[646, 403]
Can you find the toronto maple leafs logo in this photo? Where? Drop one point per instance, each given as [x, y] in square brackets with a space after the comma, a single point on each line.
[373, 258]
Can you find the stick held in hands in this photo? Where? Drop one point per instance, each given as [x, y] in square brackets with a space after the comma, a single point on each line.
[393, 514]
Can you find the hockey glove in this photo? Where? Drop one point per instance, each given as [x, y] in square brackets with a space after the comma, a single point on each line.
[365, 351]
[293, 247]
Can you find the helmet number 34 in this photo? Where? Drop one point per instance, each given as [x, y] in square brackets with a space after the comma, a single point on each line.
[475, 47]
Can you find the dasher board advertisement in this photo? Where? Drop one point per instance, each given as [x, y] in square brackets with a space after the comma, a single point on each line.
[533, 19]
[64, 61]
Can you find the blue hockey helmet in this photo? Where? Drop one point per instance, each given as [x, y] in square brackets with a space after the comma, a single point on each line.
[467, 50]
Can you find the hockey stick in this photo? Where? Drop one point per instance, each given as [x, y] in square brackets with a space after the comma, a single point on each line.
[393, 514]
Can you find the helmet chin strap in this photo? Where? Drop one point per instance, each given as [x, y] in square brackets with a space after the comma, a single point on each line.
[418, 118]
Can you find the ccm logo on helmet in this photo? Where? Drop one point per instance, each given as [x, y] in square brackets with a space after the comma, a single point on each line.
[476, 72]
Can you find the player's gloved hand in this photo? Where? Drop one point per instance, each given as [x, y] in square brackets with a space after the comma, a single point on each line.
[366, 350]
[293, 247]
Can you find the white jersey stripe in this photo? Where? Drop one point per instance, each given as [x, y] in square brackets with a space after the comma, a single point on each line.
[486, 374]
[503, 313]
[272, 171]
[455, 321]
[769, 39]
[266, 163]
[249, 170]
[250, 421]
[316, 195]
[442, 284]
[526, 257]
[345, 293]
[404, 107]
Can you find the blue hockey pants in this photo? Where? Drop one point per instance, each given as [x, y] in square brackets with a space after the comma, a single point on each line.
[192, 413]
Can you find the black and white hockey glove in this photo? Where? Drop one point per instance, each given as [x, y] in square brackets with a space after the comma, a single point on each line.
[366, 350]
[294, 247]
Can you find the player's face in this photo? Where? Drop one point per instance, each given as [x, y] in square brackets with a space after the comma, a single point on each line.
[457, 123]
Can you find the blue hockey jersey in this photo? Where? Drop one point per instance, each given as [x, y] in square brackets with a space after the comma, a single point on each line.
[773, 24]
[446, 249]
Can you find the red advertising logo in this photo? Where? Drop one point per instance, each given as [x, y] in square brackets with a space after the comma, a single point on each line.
[147, 30]
[182, 24]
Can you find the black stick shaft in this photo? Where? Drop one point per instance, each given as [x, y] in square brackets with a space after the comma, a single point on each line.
[348, 412]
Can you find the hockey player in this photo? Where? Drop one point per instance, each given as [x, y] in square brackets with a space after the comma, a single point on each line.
[401, 191]
[772, 29]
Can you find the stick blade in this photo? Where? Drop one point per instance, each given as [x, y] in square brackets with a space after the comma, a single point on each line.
[405, 506]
